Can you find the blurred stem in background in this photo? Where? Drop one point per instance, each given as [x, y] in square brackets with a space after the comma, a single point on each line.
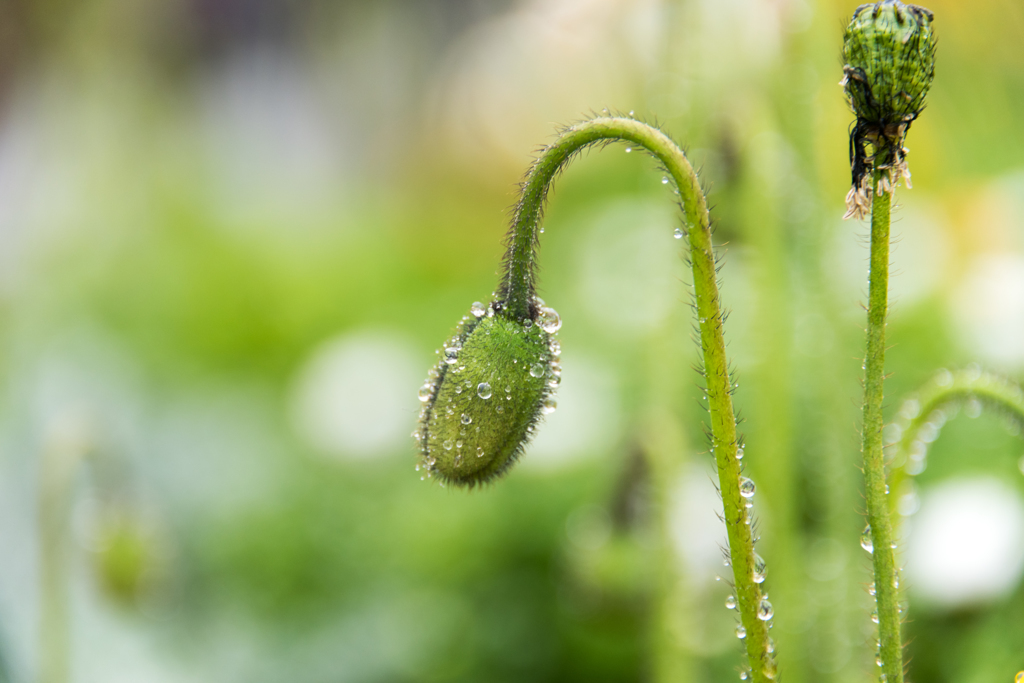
[821, 495]
[65, 446]
[665, 446]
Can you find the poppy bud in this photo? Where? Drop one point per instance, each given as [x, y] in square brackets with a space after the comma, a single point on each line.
[495, 379]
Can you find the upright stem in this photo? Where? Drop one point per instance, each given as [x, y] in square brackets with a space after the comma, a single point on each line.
[883, 558]
[516, 297]
[61, 456]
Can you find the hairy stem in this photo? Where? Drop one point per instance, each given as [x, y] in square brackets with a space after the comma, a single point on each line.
[949, 388]
[516, 298]
[883, 557]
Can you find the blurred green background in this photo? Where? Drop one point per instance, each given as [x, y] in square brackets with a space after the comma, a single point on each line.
[233, 232]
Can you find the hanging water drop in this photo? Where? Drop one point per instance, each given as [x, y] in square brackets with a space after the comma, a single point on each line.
[451, 355]
[739, 453]
[730, 602]
[628, 150]
[758, 572]
[765, 611]
[744, 675]
[664, 180]
[678, 233]
[477, 309]
[973, 408]
[747, 487]
[874, 617]
[536, 370]
[865, 540]
[426, 391]
[871, 588]
[550, 404]
[741, 632]
[549, 320]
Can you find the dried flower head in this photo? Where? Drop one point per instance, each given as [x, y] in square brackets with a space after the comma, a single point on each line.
[889, 65]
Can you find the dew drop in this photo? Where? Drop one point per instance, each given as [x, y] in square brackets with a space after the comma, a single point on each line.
[882, 678]
[458, 444]
[536, 370]
[759, 569]
[874, 617]
[458, 389]
[426, 391]
[458, 460]
[447, 445]
[549, 321]
[973, 408]
[483, 390]
[739, 453]
[871, 588]
[678, 233]
[741, 632]
[478, 309]
[664, 180]
[479, 452]
[466, 419]
[501, 409]
[451, 355]
[765, 611]
[628, 150]
[865, 540]
[771, 646]
[730, 602]
[747, 487]
[878, 660]
[550, 404]
[744, 675]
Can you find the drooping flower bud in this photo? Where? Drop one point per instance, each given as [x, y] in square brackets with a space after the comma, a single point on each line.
[889, 65]
[495, 379]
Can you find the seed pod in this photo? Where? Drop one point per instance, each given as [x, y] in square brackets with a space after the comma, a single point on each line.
[889, 65]
[889, 55]
[495, 379]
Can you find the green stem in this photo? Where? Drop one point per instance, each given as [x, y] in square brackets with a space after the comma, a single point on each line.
[992, 391]
[883, 557]
[516, 301]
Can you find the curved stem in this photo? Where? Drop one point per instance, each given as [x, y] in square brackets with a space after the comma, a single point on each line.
[516, 301]
[945, 389]
[883, 557]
